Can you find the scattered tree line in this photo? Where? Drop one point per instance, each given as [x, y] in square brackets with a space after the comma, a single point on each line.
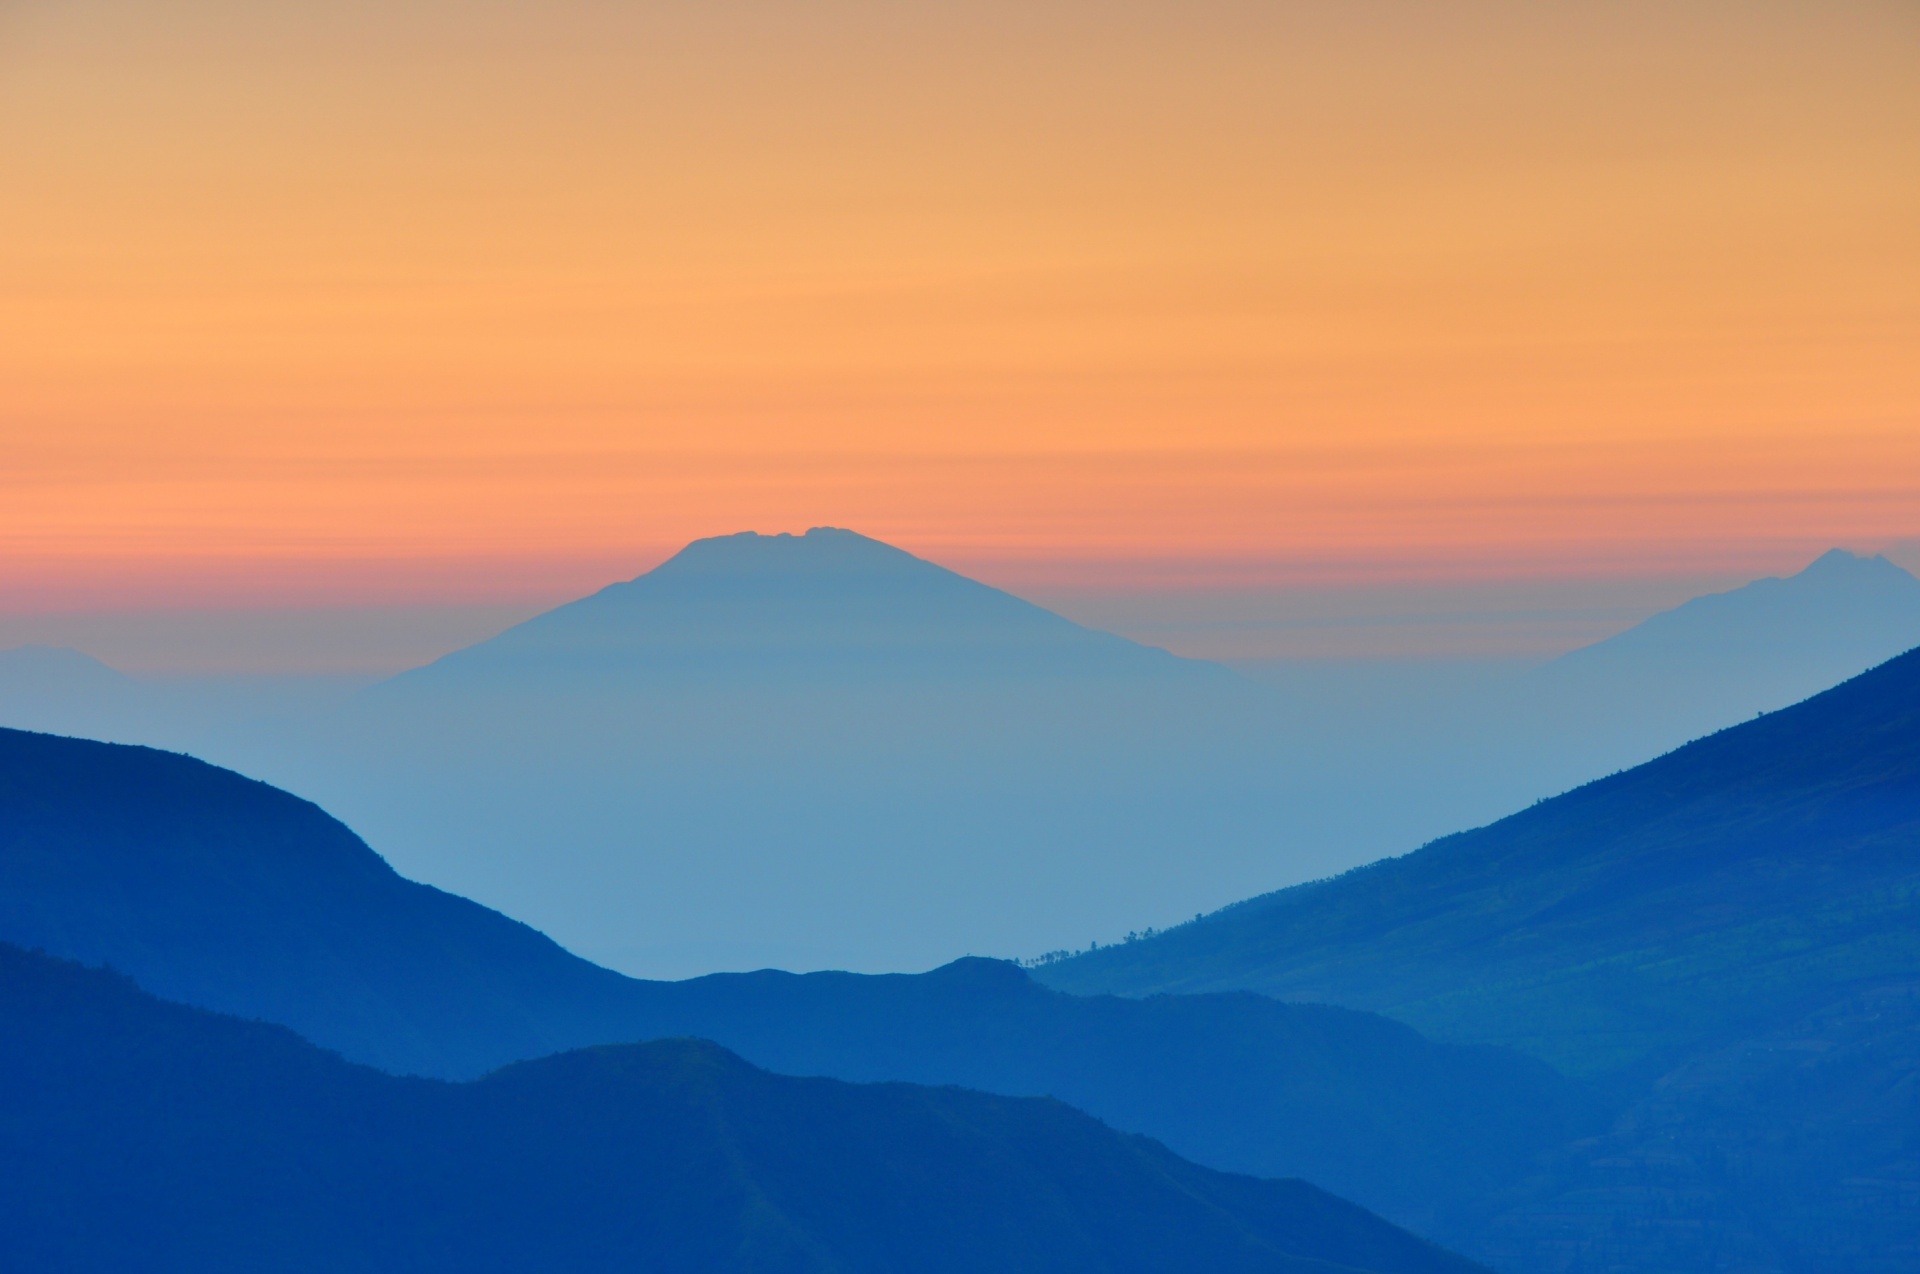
[1133, 935]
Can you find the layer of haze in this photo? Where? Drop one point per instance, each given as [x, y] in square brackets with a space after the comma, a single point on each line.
[818, 751]
[487, 304]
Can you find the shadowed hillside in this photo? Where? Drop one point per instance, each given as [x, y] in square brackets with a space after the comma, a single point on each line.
[219, 891]
[1729, 935]
[216, 890]
[1735, 880]
[136, 1134]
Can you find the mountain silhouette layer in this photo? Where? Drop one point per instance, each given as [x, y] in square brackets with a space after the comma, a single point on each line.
[1779, 629]
[1723, 658]
[818, 751]
[1728, 938]
[1466, 742]
[1707, 891]
[812, 751]
[52, 687]
[1721, 939]
[136, 1134]
[830, 604]
[219, 891]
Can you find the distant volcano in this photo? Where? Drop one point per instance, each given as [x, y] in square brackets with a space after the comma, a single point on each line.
[816, 750]
[1836, 618]
[1721, 658]
[830, 602]
[819, 750]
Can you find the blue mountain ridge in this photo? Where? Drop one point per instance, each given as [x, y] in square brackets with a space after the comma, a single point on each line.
[818, 751]
[136, 1134]
[1722, 937]
[1639, 913]
[216, 890]
[1727, 937]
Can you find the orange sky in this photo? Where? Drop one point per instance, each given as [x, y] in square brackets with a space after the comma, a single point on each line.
[366, 302]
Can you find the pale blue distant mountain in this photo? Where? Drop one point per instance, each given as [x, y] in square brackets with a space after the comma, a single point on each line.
[814, 751]
[1835, 618]
[819, 751]
[1466, 742]
[828, 604]
[810, 751]
[1765, 645]
[1710, 663]
[54, 688]
[64, 691]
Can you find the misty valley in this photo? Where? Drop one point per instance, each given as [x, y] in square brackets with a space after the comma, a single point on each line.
[1664, 1014]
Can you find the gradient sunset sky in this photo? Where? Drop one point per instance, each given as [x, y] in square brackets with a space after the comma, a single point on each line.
[427, 304]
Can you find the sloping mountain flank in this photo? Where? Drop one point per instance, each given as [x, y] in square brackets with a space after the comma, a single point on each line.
[1729, 936]
[1715, 661]
[53, 687]
[1776, 628]
[830, 603]
[136, 1134]
[716, 764]
[216, 890]
[1737, 882]
[219, 891]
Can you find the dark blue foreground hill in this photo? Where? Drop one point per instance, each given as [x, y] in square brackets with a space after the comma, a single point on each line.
[136, 1134]
[215, 890]
[1738, 882]
[1730, 935]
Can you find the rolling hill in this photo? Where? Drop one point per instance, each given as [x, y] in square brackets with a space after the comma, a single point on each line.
[1707, 894]
[218, 891]
[215, 890]
[1726, 938]
[137, 1134]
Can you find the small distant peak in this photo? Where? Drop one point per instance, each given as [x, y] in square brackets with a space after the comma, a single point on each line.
[1839, 562]
[829, 549]
[49, 657]
[1834, 559]
[39, 650]
[980, 971]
